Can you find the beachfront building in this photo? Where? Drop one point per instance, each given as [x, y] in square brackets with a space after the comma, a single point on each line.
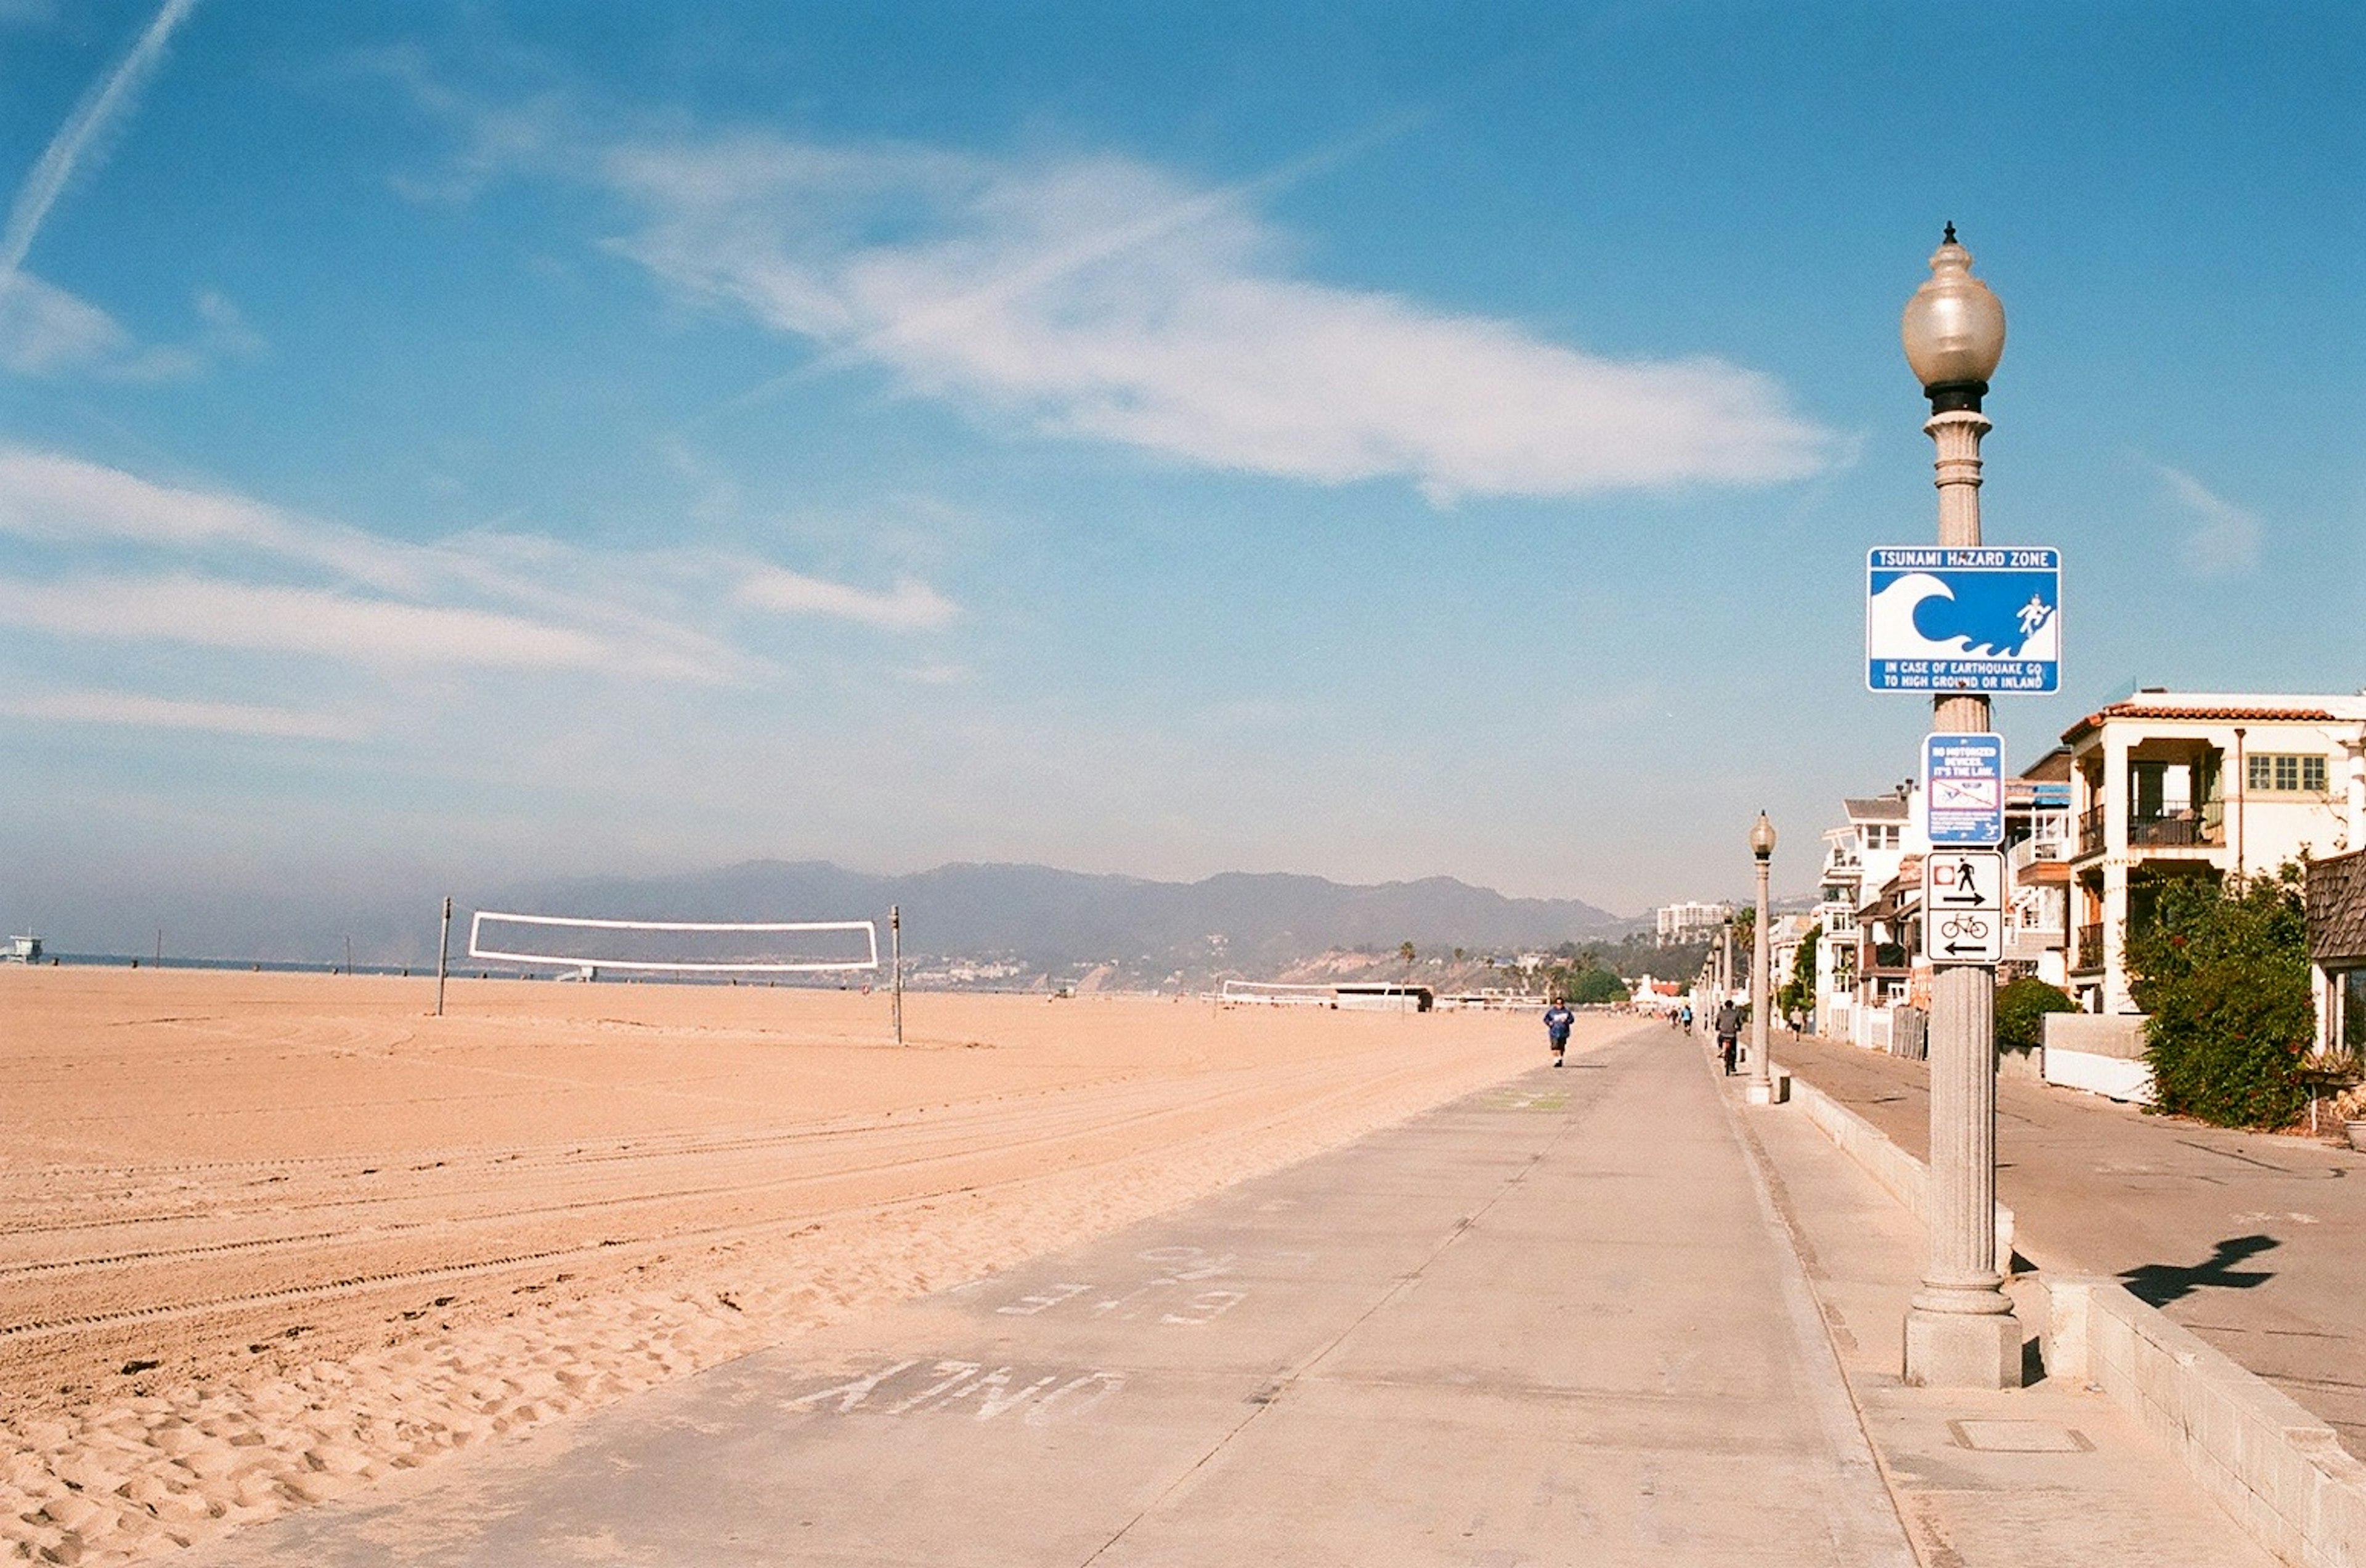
[2170, 784]
[1691, 922]
[2038, 840]
[1859, 969]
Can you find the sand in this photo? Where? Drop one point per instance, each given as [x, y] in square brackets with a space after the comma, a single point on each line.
[272, 1238]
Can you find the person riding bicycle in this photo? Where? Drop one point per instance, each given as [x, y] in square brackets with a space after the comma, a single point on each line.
[1728, 1036]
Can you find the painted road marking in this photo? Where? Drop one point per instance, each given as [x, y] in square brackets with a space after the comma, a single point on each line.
[988, 1392]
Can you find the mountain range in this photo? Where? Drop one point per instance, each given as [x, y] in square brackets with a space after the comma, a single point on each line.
[1043, 920]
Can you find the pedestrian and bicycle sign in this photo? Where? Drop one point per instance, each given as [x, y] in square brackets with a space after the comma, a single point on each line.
[1943, 618]
[1963, 788]
[1963, 906]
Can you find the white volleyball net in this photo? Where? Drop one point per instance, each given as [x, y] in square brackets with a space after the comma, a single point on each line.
[683, 947]
[1273, 993]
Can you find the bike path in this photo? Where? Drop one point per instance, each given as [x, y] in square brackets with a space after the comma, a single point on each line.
[1552, 1323]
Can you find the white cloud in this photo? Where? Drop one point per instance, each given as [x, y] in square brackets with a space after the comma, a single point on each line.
[135, 710]
[911, 606]
[2224, 539]
[1104, 298]
[44, 329]
[213, 613]
[112, 557]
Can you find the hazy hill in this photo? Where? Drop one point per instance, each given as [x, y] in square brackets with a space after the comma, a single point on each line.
[1047, 919]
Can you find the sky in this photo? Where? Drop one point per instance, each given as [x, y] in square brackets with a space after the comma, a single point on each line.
[447, 444]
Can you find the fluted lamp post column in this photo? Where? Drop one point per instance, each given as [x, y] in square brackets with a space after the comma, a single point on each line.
[1961, 1332]
[1762, 1074]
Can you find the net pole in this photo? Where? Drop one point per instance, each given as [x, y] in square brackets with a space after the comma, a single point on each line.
[896, 968]
[442, 956]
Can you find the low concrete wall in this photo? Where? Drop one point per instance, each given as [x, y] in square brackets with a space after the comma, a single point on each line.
[2280, 1471]
[1896, 1172]
[2101, 1053]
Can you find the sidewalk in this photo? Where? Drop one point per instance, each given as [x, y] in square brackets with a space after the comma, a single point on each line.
[2043, 1474]
[2250, 1240]
[1560, 1323]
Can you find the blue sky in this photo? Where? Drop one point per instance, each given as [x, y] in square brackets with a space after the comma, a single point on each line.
[447, 444]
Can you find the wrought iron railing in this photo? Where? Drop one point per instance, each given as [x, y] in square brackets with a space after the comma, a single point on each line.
[2091, 947]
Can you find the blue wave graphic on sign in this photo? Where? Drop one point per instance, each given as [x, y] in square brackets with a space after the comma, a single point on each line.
[1980, 615]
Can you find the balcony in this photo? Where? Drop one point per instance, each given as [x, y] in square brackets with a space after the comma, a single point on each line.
[2180, 829]
[2090, 949]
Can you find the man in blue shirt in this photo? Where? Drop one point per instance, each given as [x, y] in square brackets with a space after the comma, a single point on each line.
[1557, 1017]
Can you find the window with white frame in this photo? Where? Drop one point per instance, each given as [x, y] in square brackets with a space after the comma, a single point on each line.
[2284, 773]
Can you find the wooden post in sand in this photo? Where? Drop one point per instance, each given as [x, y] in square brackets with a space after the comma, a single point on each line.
[896, 968]
[442, 956]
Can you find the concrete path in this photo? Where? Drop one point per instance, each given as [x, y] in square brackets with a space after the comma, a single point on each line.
[2256, 1243]
[1558, 1322]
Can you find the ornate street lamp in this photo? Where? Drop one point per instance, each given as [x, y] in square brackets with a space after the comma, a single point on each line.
[1961, 1332]
[1761, 1077]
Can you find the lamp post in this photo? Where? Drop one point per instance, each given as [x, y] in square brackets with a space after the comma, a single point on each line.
[1961, 1332]
[1761, 1073]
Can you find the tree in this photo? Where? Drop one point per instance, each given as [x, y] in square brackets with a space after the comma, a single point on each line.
[1588, 984]
[2222, 969]
[1799, 993]
[1404, 951]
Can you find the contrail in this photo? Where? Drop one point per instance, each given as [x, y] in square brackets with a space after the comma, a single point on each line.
[101, 105]
[1056, 264]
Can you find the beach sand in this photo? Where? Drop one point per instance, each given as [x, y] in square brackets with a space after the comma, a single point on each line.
[272, 1238]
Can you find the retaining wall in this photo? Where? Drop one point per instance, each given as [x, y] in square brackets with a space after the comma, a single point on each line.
[2280, 1471]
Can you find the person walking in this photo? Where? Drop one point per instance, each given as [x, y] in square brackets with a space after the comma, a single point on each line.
[1558, 1018]
[1729, 1036]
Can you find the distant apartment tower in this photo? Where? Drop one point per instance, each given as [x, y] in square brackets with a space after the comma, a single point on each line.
[1691, 922]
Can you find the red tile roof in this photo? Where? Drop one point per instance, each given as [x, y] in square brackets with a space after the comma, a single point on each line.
[2203, 714]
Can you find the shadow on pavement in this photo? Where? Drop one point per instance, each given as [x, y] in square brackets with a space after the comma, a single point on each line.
[2158, 1284]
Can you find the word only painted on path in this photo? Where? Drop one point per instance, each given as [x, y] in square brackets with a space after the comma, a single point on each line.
[1939, 618]
[1963, 788]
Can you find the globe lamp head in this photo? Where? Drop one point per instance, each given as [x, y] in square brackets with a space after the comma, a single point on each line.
[1762, 837]
[1954, 331]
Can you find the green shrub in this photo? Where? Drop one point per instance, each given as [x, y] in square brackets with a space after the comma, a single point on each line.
[2224, 972]
[2021, 1009]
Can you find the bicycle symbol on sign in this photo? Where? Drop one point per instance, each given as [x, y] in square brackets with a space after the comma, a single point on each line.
[1965, 927]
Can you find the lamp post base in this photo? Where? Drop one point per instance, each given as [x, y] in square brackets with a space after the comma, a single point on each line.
[1775, 1092]
[1950, 1349]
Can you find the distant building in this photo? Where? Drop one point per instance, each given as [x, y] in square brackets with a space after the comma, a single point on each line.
[1691, 922]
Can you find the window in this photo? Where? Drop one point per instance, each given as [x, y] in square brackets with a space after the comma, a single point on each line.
[2284, 773]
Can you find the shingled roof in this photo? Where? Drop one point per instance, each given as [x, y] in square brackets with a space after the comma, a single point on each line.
[1879, 808]
[2336, 906]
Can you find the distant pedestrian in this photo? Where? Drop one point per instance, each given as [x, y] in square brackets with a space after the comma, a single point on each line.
[1728, 1036]
[1558, 1018]
[1686, 1013]
[1797, 1022]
